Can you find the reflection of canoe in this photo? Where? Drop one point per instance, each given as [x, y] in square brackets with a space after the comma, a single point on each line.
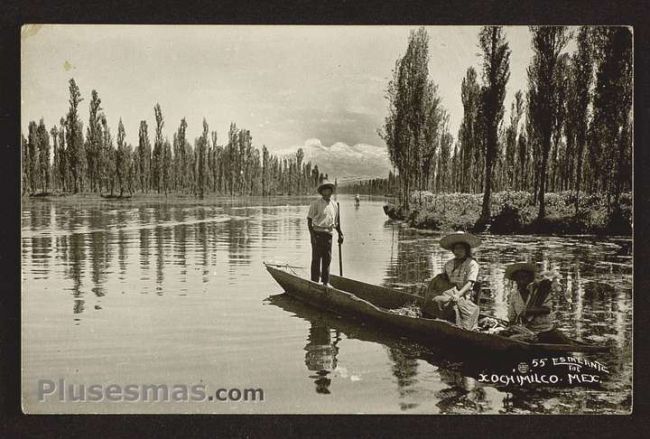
[353, 329]
[452, 363]
[371, 303]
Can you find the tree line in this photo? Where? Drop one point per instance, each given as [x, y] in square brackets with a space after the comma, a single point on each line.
[99, 163]
[375, 186]
[571, 130]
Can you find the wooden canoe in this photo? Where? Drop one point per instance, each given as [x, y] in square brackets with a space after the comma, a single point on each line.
[370, 303]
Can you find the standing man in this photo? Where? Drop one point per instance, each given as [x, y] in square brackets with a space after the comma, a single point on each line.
[322, 219]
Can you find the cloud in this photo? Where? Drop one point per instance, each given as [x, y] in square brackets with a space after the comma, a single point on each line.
[343, 161]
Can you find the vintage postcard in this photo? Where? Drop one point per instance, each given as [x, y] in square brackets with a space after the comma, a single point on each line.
[226, 219]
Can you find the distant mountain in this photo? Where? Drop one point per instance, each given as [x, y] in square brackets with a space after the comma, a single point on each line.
[346, 162]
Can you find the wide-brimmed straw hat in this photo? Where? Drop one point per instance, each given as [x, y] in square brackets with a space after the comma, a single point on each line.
[325, 184]
[447, 242]
[518, 266]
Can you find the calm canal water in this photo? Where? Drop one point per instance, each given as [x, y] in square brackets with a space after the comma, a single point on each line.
[176, 293]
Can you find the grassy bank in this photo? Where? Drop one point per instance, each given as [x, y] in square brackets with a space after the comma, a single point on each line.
[515, 213]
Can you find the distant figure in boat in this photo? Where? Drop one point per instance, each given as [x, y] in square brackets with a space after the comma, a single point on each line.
[448, 294]
[530, 304]
[357, 200]
[322, 219]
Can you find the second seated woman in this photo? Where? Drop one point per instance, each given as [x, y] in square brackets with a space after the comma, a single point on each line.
[447, 295]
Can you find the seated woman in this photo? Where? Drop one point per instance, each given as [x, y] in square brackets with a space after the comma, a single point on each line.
[530, 304]
[447, 294]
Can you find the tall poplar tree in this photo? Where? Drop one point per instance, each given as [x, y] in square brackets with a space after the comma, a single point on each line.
[73, 138]
[548, 43]
[496, 73]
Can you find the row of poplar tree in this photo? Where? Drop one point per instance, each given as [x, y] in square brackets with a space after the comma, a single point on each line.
[95, 163]
[570, 130]
[374, 186]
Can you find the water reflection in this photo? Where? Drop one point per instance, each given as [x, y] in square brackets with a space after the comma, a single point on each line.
[586, 309]
[97, 259]
[405, 371]
[161, 236]
[460, 392]
[76, 269]
[320, 356]
[411, 259]
[122, 243]
[99, 254]
[463, 394]
[595, 304]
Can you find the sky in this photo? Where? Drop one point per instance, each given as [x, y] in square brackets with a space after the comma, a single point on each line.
[321, 88]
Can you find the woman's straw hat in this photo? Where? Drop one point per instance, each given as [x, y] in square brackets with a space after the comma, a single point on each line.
[518, 266]
[448, 241]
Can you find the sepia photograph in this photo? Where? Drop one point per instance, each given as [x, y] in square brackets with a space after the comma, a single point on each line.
[326, 219]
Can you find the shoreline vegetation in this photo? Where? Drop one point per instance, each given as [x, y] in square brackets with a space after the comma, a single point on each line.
[516, 213]
[561, 163]
[64, 160]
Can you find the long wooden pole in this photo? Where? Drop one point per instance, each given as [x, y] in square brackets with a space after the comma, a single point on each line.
[340, 254]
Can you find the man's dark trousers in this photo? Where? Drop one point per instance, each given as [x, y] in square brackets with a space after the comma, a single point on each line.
[321, 256]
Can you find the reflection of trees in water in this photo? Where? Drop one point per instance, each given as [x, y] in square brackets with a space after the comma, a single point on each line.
[180, 240]
[583, 307]
[161, 237]
[239, 240]
[596, 309]
[595, 303]
[40, 216]
[62, 216]
[213, 231]
[99, 252]
[75, 267]
[463, 394]
[41, 250]
[122, 242]
[548, 400]
[144, 219]
[299, 225]
[410, 263]
[160, 258]
[78, 306]
[326, 330]
[523, 401]
[270, 226]
[320, 356]
[202, 242]
[62, 251]
[405, 371]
